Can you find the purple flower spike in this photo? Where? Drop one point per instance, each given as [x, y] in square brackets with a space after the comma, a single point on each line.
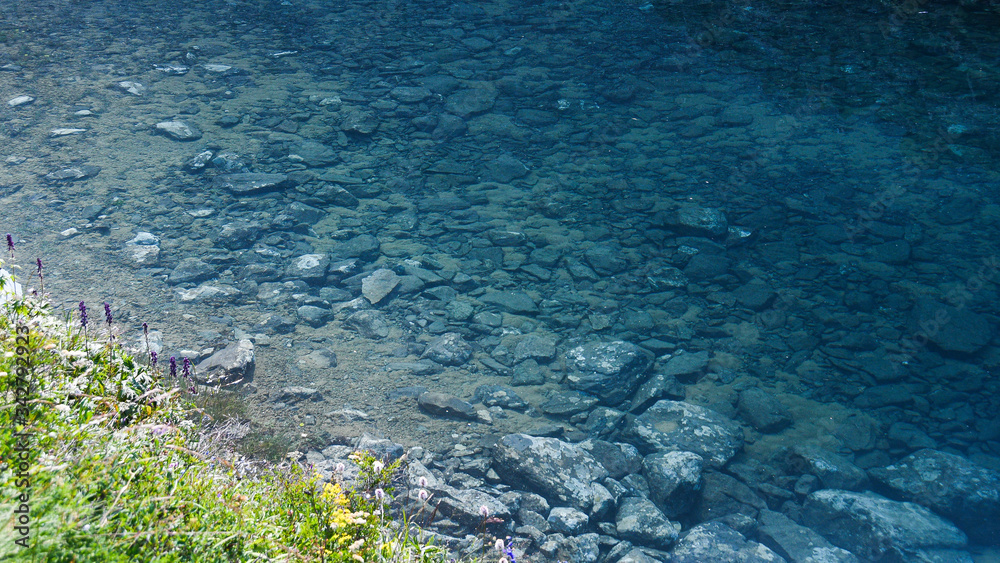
[107, 313]
[83, 315]
[10, 245]
[187, 367]
[39, 262]
[173, 366]
[145, 329]
[152, 358]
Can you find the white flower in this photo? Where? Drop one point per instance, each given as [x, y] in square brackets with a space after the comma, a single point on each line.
[377, 467]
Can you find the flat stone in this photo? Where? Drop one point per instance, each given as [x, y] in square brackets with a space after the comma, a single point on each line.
[763, 411]
[465, 103]
[179, 130]
[20, 101]
[410, 94]
[516, 302]
[190, 270]
[640, 522]
[714, 542]
[379, 284]
[449, 349]
[443, 404]
[73, 174]
[310, 268]
[249, 183]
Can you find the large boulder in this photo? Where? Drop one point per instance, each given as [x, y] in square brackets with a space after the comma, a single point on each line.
[876, 528]
[952, 486]
[639, 521]
[611, 371]
[563, 473]
[674, 426]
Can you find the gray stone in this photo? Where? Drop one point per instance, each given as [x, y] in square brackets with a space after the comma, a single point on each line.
[297, 393]
[698, 221]
[724, 496]
[314, 153]
[73, 174]
[834, 471]
[369, 324]
[657, 387]
[611, 371]
[755, 295]
[876, 528]
[605, 260]
[566, 520]
[179, 130]
[534, 346]
[950, 485]
[359, 122]
[232, 365]
[516, 302]
[796, 543]
[314, 316]
[410, 94]
[715, 542]
[619, 459]
[567, 403]
[190, 270]
[561, 472]
[275, 324]
[377, 285]
[365, 247]
[670, 426]
[238, 235]
[304, 214]
[449, 349]
[505, 168]
[640, 522]
[763, 411]
[471, 101]
[674, 480]
[443, 404]
[706, 266]
[686, 367]
[249, 183]
[310, 268]
[499, 396]
[323, 358]
[950, 328]
[205, 293]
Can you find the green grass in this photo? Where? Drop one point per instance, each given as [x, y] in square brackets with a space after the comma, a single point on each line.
[119, 471]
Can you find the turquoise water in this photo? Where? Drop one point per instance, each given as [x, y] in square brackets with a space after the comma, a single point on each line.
[795, 198]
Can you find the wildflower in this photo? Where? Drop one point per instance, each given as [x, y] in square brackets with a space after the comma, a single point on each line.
[423, 495]
[484, 511]
[10, 246]
[380, 494]
[83, 315]
[499, 545]
[377, 467]
[41, 280]
[152, 359]
[107, 314]
[356, 545]
[173, 366]
[187, 368]
[422, 482]
[145, 330]
[340, 468]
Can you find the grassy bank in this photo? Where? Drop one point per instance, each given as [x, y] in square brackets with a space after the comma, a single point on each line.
[106, 458]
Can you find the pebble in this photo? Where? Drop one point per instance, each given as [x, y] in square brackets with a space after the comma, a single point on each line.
[64, 132]
[179, 130]
[134, 88]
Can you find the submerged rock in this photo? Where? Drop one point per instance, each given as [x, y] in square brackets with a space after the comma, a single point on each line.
[950, 485]
[232, 365]
[611, 371]
[876, 528]
[560, 471]
[379, 284]
[179, 130]
[671, 426]
[249, 183]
